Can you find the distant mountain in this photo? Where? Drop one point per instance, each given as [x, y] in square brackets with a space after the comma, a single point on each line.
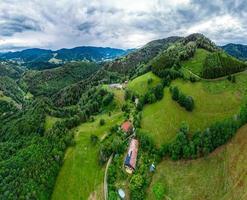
[237, 50]
[89, 53]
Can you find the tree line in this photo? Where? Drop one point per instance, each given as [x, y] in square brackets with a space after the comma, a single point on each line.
[185, 101]
[204, 142]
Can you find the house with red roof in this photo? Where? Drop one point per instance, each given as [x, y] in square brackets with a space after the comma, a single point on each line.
[131, 157]
[127, 127]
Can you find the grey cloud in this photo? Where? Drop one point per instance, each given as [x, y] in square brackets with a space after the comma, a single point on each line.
[17, 24]
[68, 23]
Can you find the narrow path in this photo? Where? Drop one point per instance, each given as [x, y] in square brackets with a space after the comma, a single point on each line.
[106, 170]
[105, 178]
[215, 79]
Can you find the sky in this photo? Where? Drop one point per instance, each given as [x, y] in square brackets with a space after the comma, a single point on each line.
[117, 23]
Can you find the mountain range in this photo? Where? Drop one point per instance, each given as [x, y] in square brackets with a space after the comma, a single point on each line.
[88, 53]
[237, 50]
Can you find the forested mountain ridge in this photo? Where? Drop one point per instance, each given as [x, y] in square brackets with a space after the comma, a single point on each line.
[237, 50]
[134, 61]
[215, 64]
[78, 53]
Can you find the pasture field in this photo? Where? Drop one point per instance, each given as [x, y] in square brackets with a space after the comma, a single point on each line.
[195, 64]
[214, 101]
[140, 84]
[220, 176]
[81, 176]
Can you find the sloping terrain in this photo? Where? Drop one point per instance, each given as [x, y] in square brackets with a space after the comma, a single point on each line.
[47, 82]
[10, 70]
[141, 84]
[75, 54]
[81, 176]
[195, 64]
[237, 50]
[213, 101]
[220, 176]
[193, 52]
[132, 63]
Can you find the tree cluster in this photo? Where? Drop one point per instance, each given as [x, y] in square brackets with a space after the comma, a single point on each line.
[185, 101]
[220, 64]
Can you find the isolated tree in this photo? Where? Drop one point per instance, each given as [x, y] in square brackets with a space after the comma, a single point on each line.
[101, 122]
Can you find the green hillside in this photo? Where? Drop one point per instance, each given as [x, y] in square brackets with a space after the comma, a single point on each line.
[163, 118]
[142, 83]
[11, 70]
[11, 89]
[219, 176]
[48, 82]
[195, 64]
[81, 176]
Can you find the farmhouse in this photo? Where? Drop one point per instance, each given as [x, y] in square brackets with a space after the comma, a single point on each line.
[127, 127]
[130, 160]
[116, 86]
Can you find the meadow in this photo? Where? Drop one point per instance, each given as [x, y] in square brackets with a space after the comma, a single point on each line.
[195, 64]
[220, 176]
[81, 176]
[214, 101]
[140, 84]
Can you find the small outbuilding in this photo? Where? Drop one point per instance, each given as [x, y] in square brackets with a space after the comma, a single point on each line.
[116, 86]
[131, 158]
[127, 127]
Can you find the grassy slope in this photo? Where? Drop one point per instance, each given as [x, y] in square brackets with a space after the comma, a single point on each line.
[50, 121]
[81, 176]
[222, 175]
[52, 80]
[213, 101]
[195, 64]
[140, 84]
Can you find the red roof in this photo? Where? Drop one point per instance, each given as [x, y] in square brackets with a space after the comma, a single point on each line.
[132, 153]
[126, 126]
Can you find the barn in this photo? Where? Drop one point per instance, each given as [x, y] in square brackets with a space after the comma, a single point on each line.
[131, 157]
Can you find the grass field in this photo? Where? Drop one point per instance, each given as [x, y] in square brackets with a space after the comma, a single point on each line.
[220, 176]
[213, 101]
[5, 98]
[140, 84]
[50, 121]
[81, 176]
[195, 64]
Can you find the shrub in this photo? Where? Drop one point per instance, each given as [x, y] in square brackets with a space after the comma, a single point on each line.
[101, 122]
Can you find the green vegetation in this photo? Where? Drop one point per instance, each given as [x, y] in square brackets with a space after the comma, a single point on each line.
[81, 176]
[195, 64]
[221, 175]
[42, 111]
[220, 64]
[185, 101]
[141, 84]
[50, 121]
[11, 89]
[47, 82]
[163, 118]
[10, 70]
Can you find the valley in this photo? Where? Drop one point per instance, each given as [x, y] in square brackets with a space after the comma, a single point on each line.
[181, 99]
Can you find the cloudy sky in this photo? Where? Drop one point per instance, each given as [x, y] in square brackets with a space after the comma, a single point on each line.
[117, 23]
